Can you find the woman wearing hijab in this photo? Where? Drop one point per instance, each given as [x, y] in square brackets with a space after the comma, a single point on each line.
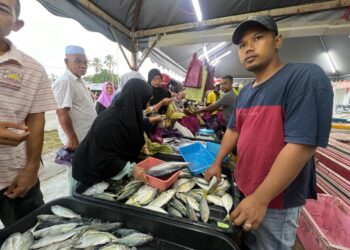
[123, 80]
[161, 97]
[105, 98]
[115, 138]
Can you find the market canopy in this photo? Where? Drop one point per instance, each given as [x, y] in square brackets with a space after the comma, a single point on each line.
[312, 29]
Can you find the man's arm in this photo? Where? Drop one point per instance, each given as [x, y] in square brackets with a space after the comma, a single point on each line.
[28, 177]
[286, 167]
[67, 126]
[209, 108]
[228, 142]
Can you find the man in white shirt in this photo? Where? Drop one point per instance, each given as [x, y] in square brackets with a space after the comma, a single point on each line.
[76, 110]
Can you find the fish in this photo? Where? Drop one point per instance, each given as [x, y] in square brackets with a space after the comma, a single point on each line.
[145, 198]
[116, 247]
[163, 198]
[181, 197]
[106, 227]
[194, 204]
[64, 212]
[55, 230]
[125, 231]
[48, 240]
[212, 183]
[127, 192]
[48, 217]
[173, 212]
[96, 188]
[204, 210]
[216, 200]
[136, 239]
[179, 182]
[186, 186]
[228, 203]
[66, 244]
[191, 214]
[12, 242]
[157, 209]
[195, 195]
[184, 174]
[93, 238]
[166, 168]
[178, 206]
[103, 196]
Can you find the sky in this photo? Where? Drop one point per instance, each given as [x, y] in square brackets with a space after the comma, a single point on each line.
[44, 37]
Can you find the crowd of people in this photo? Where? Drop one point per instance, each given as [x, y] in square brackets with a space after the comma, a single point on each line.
[276, 122]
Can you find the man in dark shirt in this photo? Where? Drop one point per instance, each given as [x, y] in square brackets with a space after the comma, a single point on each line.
[278, 121]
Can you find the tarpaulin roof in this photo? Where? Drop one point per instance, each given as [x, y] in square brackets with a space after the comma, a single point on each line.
[135, 24]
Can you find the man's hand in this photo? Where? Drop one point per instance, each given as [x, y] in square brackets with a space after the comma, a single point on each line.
[140, 174]
[72, 144]
[214, 170]
[12, 138]
[24, 181]
[250, 212]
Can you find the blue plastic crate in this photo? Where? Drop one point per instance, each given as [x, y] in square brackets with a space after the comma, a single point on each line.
[204, 131]
[213, 149]
[198, 156]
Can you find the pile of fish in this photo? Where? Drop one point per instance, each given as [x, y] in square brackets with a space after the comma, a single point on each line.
[64, 229]
[188, 197]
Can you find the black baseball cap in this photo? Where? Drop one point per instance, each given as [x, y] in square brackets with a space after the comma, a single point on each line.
[265, 21]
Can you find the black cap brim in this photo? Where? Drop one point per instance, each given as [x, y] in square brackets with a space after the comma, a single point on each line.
[242, 28]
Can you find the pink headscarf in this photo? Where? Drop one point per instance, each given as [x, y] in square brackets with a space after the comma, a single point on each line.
[104, 98]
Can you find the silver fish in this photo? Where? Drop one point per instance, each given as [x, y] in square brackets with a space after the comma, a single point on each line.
[163, 198]
[48, 240]
[194, 204]
[173, 212]
[26, 241]
[166, 168]
[147, 197]
[204, 210]
[103, 196]
[64, 212]
[178, 206]
[212, 183]
[181, 197]
[227, 202]
[157, 209]
[93, 238]
[106, 227]
[186, 187]
[195, 195]
[55, 230]
[125, 232]
[216, 200]
[96, 188]
[136, 239]
[48, 217]
[191, 214]
[131, 188]
[67, 244]
[12, 242]
[179, 182]
[185, 174]
[116, 247]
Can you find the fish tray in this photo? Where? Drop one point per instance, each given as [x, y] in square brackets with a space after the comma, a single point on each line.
[216, 213]
[167, 234]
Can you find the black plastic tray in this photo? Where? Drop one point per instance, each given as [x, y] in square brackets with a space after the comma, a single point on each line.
[216, 212]
[168, 234]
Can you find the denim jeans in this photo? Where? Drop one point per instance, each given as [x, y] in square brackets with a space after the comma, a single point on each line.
[277, 231]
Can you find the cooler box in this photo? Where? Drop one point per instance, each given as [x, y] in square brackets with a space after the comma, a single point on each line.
[168, 234]
[325, 224]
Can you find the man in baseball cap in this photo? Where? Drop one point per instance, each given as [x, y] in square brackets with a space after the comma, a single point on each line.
[266, 22]
[278, 121]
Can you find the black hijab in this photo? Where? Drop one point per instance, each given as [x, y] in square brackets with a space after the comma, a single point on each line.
[158, 93]
[116, 136]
